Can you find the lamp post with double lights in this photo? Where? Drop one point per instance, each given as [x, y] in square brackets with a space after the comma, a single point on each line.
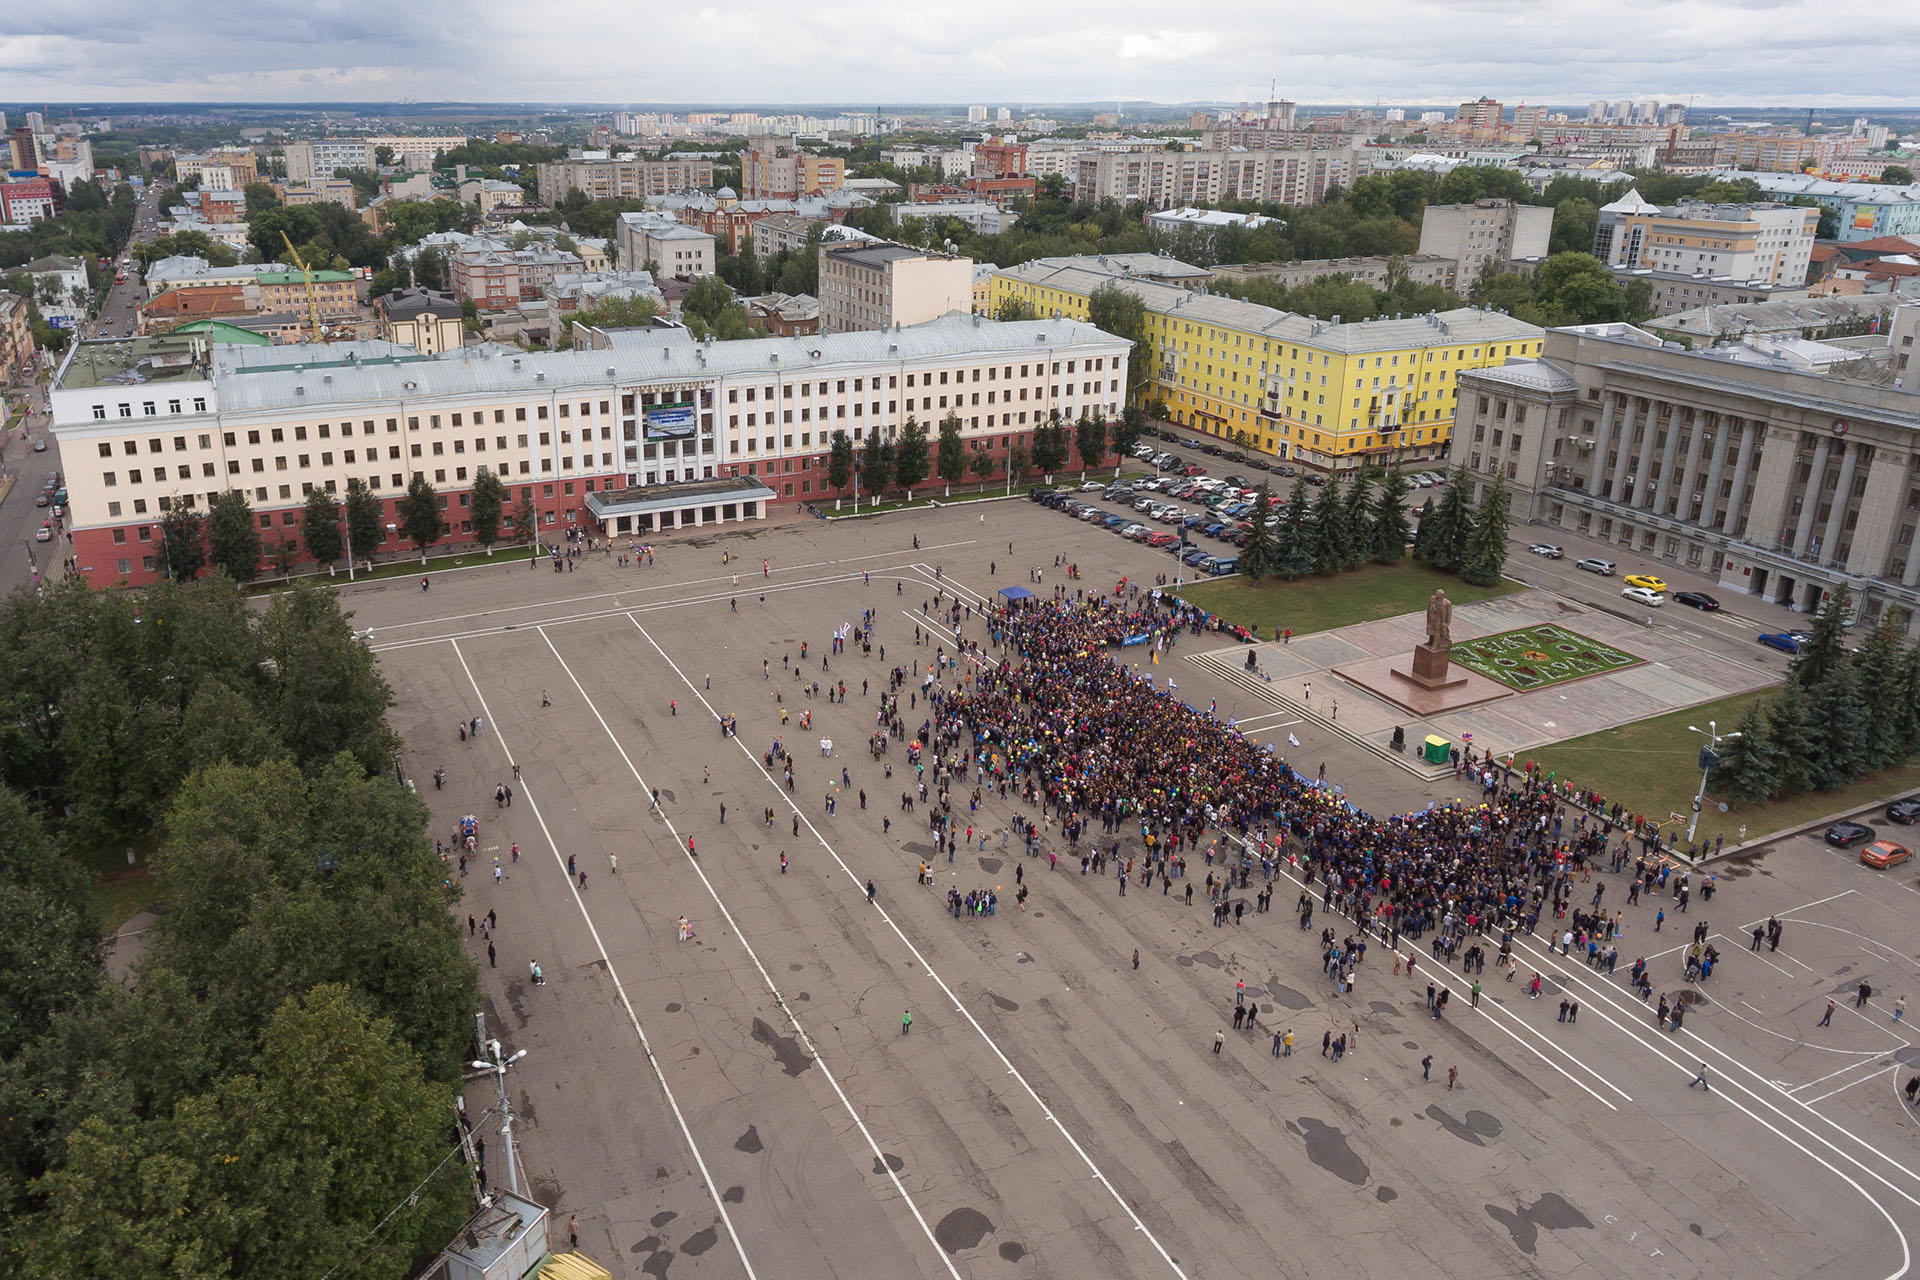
[1709, 760]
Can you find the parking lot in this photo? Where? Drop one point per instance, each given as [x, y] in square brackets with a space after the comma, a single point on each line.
[746, 1102]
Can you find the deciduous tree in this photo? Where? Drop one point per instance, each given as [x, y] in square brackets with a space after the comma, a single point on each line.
[420, 517]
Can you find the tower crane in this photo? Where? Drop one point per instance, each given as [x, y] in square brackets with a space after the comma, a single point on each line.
[313, 301]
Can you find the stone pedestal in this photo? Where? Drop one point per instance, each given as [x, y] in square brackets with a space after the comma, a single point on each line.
[1432, 668]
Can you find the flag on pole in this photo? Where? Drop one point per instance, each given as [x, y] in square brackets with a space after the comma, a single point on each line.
[1292, 741]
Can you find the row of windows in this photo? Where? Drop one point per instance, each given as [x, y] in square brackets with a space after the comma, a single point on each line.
[149, 408]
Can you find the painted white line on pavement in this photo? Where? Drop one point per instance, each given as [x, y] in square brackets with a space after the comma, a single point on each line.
[646, 1046]
[1893, 1070]
[958, 1006]
[693, 861]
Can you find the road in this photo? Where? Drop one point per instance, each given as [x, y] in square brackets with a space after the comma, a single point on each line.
[22, 559]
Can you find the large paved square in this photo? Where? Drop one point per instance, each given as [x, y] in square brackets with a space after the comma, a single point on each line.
[1534, 657]
[746, 1102]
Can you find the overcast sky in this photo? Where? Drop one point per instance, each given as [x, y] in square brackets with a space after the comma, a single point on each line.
[996, 52]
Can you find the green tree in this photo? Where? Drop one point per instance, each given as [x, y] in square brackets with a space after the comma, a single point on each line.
[1841, 725]
[1485, 552]
[1577, 288]
[383, 155]
[1574, 224]
[1013, 309]
[617, 313]
[526, 521]
[1050, 444]
[876, 465]
[420, 517]
[1328, 530]
[1426, 532]
[951, 453]
[260, 198]
[1294, 547]
[233, 536]
[1747, 770]
[322, 690]
[1827, 650]
[1356, 548]
[1881, 675]
[1090, 440]
[183, 542]
[50, 947]
[711, 309]
[1388, 525]
[366, 520]
[1019, 461]
[982, 463]
[1898, 175]
[1256, 557]
[910, 455]
[1790, 730]
[840, 461]
[1125, 431]
[320, 528]
[489, 501]
[1452, 525]
[1117, 310]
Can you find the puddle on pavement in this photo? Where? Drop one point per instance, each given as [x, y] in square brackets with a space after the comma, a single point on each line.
[748, 1142]
[893, 1162]
[1328, 1148]
[1004, 1004]
[1549, 1211]
[1475, 1126]
[962, 1229]
[786, 1049]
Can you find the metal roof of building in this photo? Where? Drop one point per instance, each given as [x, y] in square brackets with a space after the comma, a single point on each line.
[648, 356]
[1534, 375]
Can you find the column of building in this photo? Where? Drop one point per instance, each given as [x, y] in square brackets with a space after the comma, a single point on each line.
[1779, 453]
[1684, 485]
[1836, 525]
[1810, 500]
[1657, 494]
[1750, 438]
[1643, 468]
[1722, 432]
[1880, 511]
[1621, 463]
[1609, 431]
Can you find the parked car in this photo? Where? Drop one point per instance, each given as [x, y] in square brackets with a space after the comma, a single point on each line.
[43, 500]
[1238, 481]
[1594, 565]
[1646, 580]
[1091, 486]
[1115, 522]
[1640, 595]
[1546, 549]
[1196, 557]
[1884, 854]
[1161, 538]
[43, 534]
[1781, 640]
[1696, 600]
[1905, 812]
[1848, 834]
[39, 446]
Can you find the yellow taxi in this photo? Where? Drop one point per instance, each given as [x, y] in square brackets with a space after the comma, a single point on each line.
[1644, 581]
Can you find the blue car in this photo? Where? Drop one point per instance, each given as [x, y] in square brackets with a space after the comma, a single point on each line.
[1195, 556]
[1114, 522]
[1785, 642]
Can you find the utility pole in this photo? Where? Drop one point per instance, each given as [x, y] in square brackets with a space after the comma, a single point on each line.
[1709, 759]
[499, 1067]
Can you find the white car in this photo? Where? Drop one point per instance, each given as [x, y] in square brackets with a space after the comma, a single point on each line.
[1546, 549]
[1640, 595]
[1091, 486]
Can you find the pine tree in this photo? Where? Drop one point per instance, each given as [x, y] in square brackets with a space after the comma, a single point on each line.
[1880, 668]
[1840, 725]
[1748, 765]
[1828, 647]
[1906, 725]
[1329, 530]
[1357, 548]
[1452, 524]
[1486, 544]
[1388, 523]
[1257, 557]
[1790, 730]
[1293, 549]
[1424, 533]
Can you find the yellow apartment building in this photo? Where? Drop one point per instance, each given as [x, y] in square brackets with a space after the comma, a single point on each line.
[1332, 396]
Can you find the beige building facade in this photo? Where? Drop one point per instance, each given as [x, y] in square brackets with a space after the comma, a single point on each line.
[878, 286]
[1778, 482]
[1486, 233]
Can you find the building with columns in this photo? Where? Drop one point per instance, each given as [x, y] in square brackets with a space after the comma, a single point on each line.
[1779, 477]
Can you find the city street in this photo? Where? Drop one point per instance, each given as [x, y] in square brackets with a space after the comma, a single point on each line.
[745, 1101]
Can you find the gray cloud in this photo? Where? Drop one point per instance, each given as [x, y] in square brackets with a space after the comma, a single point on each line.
[1406, 52]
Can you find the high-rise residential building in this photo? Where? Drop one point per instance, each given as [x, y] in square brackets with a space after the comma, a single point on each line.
[1485, 234]
[1529, 121]
[1772, 243]
[622, 178]
[999, 158]
[1597, 111]
[1003, 114]
[976, 115]
[781, 170]
[674, 248]
[1674, 113]
[1484, 113]
[644, 431]
[1775, 478]
[880, 285]
[1334, 397]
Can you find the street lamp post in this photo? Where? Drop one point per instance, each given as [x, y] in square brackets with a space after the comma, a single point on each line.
[1709, 757]
[499, 1067]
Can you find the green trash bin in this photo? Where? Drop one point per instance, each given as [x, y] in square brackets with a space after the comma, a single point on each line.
[1437, 749]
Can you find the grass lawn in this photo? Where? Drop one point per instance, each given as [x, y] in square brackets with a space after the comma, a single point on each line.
[1650, 767]
[120, 892]
[1321, 604]
[1535, 657]
[503, 553]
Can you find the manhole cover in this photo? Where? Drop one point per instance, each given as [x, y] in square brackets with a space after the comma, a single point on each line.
[1688, 996]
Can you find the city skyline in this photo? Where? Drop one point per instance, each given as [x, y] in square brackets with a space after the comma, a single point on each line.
[1737, 53]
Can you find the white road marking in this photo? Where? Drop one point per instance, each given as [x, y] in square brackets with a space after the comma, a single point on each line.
[646, 1046]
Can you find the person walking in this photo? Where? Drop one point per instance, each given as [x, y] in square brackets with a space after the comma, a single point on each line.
[1700, 1079]
[906, 1021]
[1426, 1067]
[573, 1232]
[1826, 1019]
[490, 960]
[1219, 1038]
[1453, 1074]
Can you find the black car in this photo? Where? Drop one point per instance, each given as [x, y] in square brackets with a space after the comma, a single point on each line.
[1213, 449]
[1848, 834]
[1905, 812]
[1696, 599]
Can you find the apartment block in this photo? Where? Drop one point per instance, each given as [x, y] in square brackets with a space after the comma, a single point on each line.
[25, 200]
[334, 293]
[621, 178]
[16, 337]
[1780, 479]
[1768, 243]
[674, 248]
[1375, 271]
[1002, 158]
[1330, 396]
[1171, 179]
[644, 432]
[1486, 233]
[429, 321]
[877, 286]
[501, 279]
[781, 170]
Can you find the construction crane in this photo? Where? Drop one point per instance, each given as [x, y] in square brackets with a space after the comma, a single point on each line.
[313, 300]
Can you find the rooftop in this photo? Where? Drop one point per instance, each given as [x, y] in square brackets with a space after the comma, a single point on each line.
[1774, 317]
[124, 362]
[878, 255]
[1534, 375]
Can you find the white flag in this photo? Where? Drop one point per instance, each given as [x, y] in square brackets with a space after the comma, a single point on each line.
[1292, 741]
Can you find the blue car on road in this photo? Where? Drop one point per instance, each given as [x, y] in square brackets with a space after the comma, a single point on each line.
[1784, 641]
